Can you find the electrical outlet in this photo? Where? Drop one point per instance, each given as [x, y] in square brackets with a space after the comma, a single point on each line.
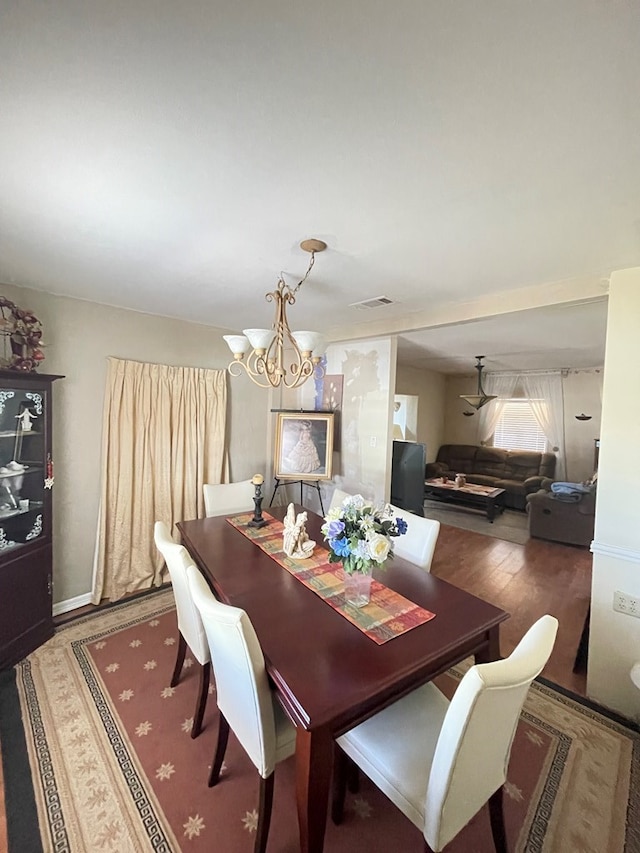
[624, 602]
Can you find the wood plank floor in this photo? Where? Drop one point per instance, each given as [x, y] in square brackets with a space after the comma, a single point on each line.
[525, 580]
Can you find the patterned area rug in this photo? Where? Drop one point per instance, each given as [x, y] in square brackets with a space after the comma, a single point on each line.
[511, 524]
[97, 756]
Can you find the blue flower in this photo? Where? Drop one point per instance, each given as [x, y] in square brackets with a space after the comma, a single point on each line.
[334, 529]
[401, 524]
[340, 546]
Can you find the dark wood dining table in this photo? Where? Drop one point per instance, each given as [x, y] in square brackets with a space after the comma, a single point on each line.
[329, 676]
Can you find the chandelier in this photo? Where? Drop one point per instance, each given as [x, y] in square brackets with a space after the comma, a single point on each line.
[479, 399]
[265, 364]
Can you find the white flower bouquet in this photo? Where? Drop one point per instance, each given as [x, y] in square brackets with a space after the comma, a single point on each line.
[359, 535]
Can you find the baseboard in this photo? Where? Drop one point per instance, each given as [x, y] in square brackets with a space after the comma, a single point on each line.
[630, 555]
[71, 603]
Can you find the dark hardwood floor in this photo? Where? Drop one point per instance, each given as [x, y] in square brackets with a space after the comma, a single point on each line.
[525, 580]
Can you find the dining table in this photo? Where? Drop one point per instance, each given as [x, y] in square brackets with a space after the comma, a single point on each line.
[327, 673]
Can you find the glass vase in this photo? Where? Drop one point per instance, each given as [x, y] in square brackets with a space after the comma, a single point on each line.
[357, 587]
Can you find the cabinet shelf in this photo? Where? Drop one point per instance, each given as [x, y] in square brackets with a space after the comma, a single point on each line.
[11, 513]
[13, 433]
[28, 469]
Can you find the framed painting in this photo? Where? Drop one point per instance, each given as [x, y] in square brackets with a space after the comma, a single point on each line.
[304, 446]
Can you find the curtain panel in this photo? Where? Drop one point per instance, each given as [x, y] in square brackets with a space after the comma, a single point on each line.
[163, 438]
[503, 386]
[545, 393]
[546, 398]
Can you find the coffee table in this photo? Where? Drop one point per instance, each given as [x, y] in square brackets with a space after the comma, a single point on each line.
[480, 497]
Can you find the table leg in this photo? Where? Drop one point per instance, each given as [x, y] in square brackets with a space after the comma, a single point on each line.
[491, 509]
[491, 651]
[314, 753]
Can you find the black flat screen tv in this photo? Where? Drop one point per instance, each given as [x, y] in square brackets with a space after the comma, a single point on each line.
[407, 475]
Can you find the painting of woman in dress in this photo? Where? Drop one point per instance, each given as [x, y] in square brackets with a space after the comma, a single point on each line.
[304, 444]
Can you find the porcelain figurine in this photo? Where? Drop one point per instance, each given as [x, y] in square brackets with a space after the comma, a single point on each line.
[295, 540]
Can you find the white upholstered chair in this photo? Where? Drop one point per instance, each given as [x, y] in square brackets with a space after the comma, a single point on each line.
[191, 630]
[337, 497]
[439, 762]
[245, 701]
[419, 542]
[226, 498]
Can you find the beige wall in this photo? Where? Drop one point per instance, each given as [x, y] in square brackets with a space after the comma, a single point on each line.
[429, 387]
[615, 637]
[459, 429]
[582, 393]
[79, 337]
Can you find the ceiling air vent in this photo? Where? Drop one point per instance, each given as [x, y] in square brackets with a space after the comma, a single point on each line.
[378, 302]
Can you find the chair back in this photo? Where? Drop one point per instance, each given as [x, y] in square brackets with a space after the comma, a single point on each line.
[337, 497]
[178, 560]
[419, 542]
[227, 498]
[472, 753]
[242, 685]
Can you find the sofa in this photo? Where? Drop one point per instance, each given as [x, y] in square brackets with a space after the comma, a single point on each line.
[558, 520]
[518, 472]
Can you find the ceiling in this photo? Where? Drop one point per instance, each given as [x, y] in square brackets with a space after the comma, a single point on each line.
[170, 157]
[571, 336]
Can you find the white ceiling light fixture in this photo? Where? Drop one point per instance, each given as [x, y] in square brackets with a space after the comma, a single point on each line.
[480, 399]
[265, 364]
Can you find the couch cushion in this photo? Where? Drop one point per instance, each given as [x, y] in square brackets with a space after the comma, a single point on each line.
[459, 457]
[516, 487]
[490, 461]
[547, 464]
[521, 464]
[482, 480]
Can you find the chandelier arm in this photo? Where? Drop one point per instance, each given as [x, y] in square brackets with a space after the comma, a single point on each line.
[236, 368]
[258, 365]
[254, 377]
[302, 375]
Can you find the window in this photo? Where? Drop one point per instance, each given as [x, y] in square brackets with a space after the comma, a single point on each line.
[518, 429]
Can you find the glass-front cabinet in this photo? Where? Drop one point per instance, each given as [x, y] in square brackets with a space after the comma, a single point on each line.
[26, 484]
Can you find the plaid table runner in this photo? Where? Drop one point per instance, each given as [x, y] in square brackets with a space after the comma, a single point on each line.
[387, 615]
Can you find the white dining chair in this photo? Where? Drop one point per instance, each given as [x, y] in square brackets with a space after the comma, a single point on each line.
[190, 628]
[246, 703]
[338, 497]
[439, 762]
[226, 498]
[419, 542]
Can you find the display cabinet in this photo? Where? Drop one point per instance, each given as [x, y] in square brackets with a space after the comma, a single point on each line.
[26, 483]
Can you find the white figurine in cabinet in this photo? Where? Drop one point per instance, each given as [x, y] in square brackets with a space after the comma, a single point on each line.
[26, 418]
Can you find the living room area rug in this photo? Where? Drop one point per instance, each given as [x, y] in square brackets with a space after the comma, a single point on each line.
[511, 524]
[97, 756]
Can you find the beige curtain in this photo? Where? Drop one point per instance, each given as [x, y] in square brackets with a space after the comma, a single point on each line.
[163, 438]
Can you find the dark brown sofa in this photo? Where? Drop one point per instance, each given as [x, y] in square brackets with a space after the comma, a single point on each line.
[518, 472]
